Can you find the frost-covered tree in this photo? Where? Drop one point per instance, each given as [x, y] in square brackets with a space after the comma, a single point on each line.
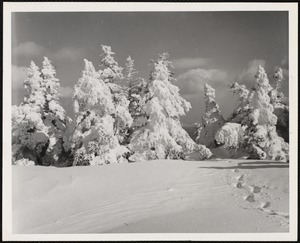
[241, 109]
[162, 136]
[38, 124]
[136, 91]
[281, 109]
[53, 113]
[94, 141]
[111, 75]
[212, 119]
[35, 94]
[130, 70]
[261, 139]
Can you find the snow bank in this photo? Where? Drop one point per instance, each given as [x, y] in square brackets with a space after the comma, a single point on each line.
[157, 196]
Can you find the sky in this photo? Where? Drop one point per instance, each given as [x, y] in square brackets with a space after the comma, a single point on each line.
[217, 48]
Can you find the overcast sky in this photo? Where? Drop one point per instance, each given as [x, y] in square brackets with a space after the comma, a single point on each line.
[213, 47]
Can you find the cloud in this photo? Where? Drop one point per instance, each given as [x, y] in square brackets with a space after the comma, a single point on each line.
[191, 62]
[66, 91]
[192, 81]
[18, 76]
[69, 53]
[29, 49]
[247, 75]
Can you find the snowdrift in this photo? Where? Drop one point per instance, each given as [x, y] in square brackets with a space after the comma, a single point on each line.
[151, 197]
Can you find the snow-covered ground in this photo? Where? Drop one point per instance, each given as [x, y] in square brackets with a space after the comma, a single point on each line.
[163, 196]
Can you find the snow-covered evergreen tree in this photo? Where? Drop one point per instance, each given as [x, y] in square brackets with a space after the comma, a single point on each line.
[35, 93]
[38, 124]
[53, 113]
[212, 119]
[130, 70]
[111, 75]
[162, 136]
[261, 139]
[241, 109]
[94, 140]
[281, 109]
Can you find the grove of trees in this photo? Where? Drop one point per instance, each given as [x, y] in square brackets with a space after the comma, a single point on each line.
[120, 117]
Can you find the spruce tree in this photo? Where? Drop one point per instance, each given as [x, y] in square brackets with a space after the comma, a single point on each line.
[112, 75]
[261, 139]
[212, 119]
[162, 136]
[94, 140]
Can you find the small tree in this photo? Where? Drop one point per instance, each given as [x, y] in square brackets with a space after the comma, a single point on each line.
[162, 136]
[94, 141]
[212, 119]
[130, 70]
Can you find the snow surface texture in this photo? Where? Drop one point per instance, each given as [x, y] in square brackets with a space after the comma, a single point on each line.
[162, 196]
[212, 119]
[162, 136]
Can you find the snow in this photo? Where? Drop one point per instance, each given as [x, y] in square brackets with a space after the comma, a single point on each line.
[152, 197]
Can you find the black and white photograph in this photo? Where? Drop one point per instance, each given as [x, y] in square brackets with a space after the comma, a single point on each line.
[161, 121]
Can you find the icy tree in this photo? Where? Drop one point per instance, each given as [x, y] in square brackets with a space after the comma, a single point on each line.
[29, 133]
[94, 141]
[39, 122]
[53, 113]
[111, 74]
[162, 136]
[212, 119]
[241, 109]
[130, 70]
[261, 139]
[281, 109]
[35, 93]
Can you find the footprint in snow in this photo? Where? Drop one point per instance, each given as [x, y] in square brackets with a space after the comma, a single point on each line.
[265, 204]
[255, 189]
[240, 178]
[238, 185]
[235, 170]
[249, 198]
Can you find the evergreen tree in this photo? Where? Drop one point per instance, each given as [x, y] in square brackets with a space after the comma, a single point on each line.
[242, 107]
[130, 70]
[162, 136]
[94, 141]
[261, 139]
[111, 75]
[39, 122]
[212, 119]
[281, 109]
